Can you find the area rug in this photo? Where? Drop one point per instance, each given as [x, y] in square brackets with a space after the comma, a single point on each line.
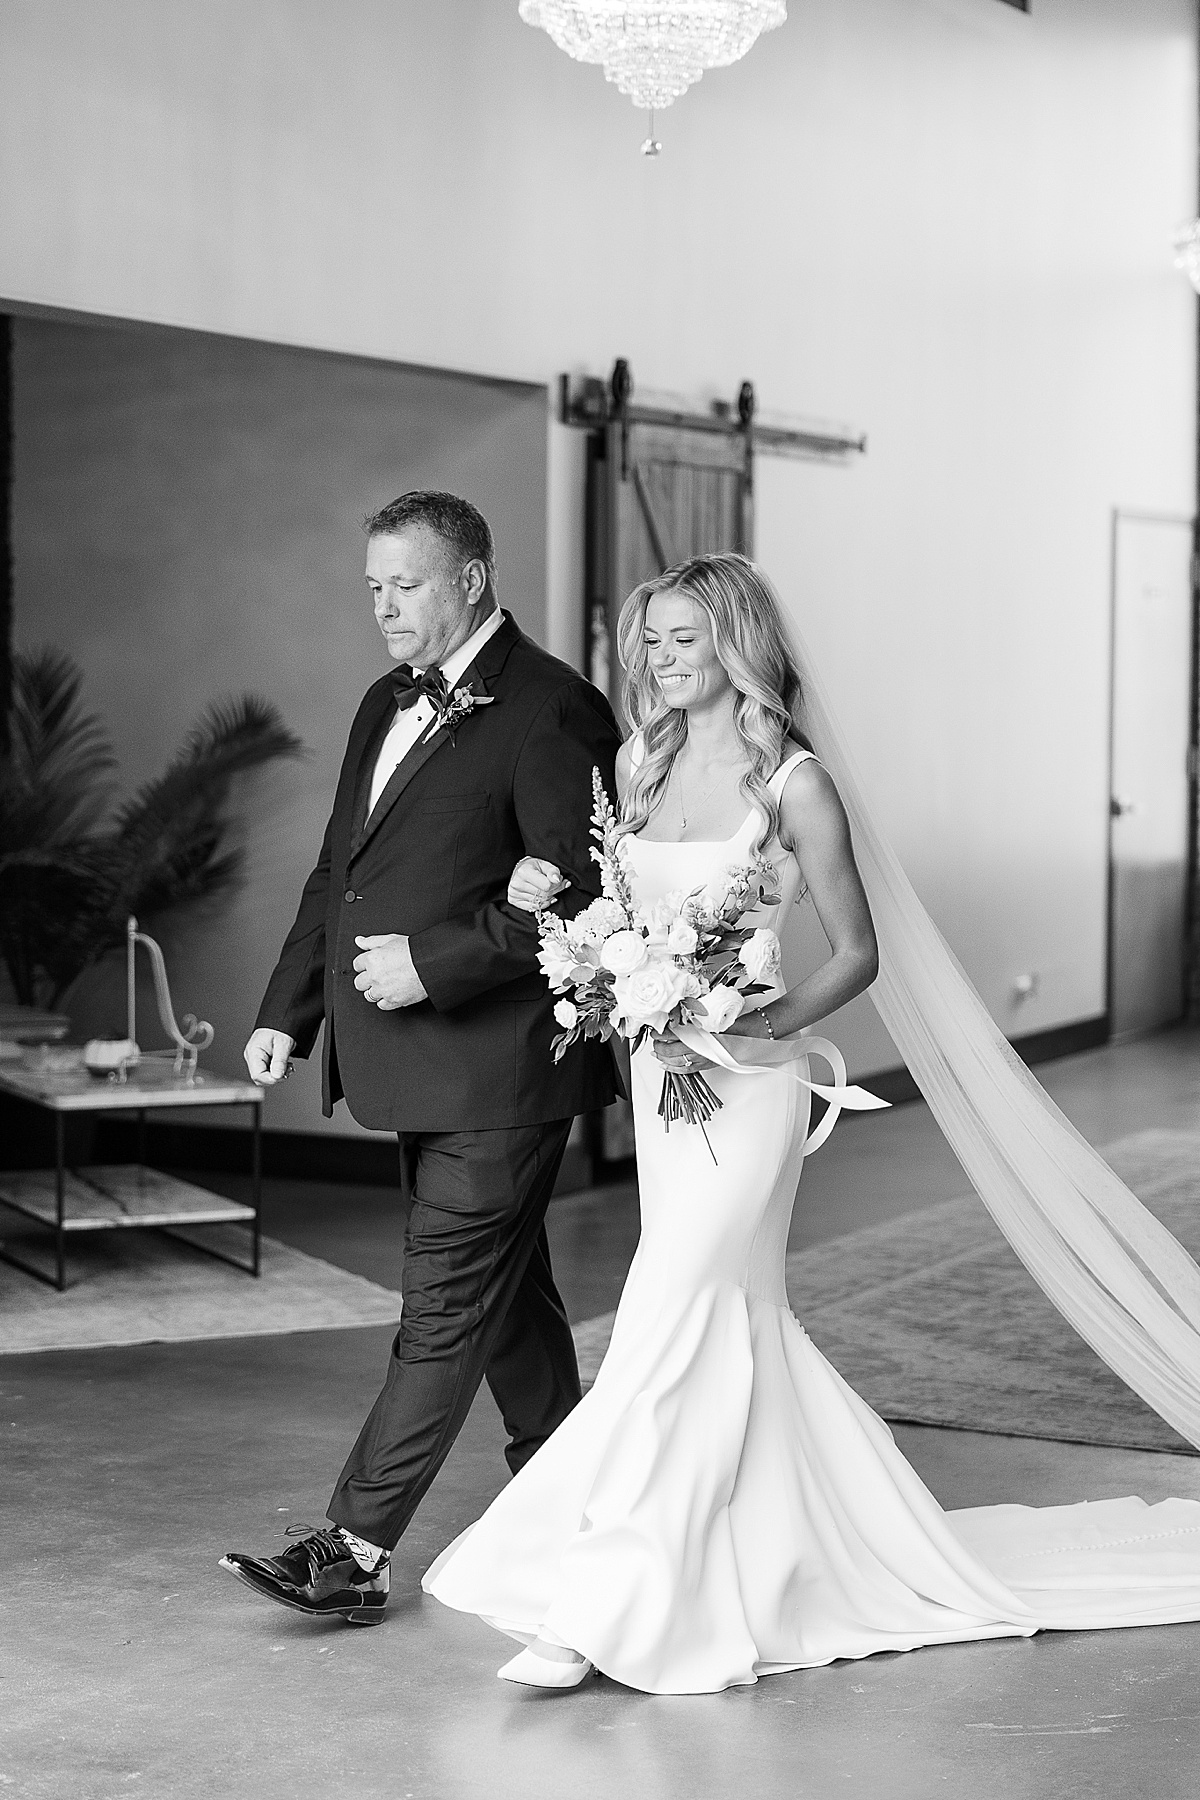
[935, 1322]
[135, 1287]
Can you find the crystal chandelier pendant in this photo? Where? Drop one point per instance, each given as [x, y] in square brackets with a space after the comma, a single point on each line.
[1187, 252]
[653, 50]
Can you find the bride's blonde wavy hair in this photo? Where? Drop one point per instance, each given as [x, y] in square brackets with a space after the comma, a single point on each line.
[751, 639]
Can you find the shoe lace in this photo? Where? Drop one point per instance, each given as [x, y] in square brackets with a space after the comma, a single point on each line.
[321, 1546]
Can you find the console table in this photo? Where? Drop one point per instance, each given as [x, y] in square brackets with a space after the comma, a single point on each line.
[127, 1196]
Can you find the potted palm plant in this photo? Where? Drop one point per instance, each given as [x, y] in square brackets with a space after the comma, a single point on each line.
[75, 859]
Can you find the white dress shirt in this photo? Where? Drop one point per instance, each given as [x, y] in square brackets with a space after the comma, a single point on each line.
[410, 726]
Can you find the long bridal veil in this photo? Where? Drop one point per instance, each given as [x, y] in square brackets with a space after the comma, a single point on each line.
[1122, 1280]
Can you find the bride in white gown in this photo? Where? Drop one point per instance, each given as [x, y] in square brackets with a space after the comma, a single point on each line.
[721, 1505]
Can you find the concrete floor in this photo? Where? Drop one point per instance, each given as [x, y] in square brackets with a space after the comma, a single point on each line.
[129, 1664]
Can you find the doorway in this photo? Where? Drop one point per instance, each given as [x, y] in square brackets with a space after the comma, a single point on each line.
[1151, 771]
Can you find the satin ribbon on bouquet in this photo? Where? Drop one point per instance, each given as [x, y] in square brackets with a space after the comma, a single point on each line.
[755, 1056]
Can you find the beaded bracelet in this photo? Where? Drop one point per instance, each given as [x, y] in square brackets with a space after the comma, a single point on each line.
[766, 1021]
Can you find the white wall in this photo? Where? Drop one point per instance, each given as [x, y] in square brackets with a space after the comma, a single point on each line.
[941, 220]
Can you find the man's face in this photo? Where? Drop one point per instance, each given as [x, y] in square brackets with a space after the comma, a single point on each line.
[420, 595]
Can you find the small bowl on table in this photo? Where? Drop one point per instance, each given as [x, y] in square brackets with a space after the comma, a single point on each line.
[110, 1059]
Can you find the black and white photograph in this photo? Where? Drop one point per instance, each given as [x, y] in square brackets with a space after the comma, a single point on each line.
[599, 899]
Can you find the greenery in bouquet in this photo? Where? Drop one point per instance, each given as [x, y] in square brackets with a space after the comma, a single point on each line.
[692, 958]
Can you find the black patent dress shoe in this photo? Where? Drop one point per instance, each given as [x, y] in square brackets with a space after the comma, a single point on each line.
[317, 1576]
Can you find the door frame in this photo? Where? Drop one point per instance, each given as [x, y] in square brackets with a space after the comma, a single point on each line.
[1191, 522]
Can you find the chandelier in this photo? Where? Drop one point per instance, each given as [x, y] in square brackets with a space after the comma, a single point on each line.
[1187, 252]
[654, 49]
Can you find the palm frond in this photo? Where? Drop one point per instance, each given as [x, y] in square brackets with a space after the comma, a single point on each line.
[240, 727]
[67, 886]
[185, 863]
[54, 781]
[44, 895]
[229, 738]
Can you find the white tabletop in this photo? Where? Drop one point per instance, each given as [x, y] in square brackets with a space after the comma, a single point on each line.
[150, 1085]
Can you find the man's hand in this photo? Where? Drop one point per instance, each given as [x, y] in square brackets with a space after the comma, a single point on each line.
[386, 974]
[267, 1053]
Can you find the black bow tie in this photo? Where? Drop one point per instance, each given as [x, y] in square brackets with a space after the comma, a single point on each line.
[409, 687]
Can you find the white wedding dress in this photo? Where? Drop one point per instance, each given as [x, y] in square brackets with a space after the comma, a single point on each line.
[721, 1505]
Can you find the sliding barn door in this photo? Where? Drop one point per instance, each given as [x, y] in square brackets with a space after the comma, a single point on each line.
[657, 494]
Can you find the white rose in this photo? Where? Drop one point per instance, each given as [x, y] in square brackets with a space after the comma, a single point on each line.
[649, 995]
[558, 964]
[567, 1014]
[624, 952]
[682, 938]
[760, 955]
[717, 1010]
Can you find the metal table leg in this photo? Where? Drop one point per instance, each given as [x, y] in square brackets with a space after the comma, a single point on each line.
[60, 1239]
[256, 1192]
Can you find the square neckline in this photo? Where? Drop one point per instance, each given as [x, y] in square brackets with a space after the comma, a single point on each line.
[721, 843]
[697, 843]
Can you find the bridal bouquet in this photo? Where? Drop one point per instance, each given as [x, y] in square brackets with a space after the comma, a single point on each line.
[640, 971]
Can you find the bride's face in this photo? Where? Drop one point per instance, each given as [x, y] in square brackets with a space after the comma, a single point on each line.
[681, 653]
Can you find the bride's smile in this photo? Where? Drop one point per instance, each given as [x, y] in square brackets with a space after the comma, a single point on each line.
[682, 655]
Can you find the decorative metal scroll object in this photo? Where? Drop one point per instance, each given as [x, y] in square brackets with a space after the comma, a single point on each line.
[196, 1035]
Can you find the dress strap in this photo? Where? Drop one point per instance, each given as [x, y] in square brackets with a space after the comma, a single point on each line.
[778, 780]
[637, 750]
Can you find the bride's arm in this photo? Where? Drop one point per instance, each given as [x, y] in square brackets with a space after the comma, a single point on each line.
[814, 827]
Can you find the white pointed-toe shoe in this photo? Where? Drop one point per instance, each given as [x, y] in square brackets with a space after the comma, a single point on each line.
[531, 1670]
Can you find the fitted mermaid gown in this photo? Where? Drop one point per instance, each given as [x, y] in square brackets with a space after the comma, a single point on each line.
[721, 1504]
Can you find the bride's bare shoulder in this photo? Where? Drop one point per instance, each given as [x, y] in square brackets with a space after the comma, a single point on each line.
[809, 801]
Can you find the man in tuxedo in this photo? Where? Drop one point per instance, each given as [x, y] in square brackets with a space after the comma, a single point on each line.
[475, 750]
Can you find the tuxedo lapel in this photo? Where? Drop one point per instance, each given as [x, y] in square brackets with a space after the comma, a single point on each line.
[399, 779]
[369, 745]
[480, 676]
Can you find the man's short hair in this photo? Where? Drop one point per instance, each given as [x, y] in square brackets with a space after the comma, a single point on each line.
[461, 526]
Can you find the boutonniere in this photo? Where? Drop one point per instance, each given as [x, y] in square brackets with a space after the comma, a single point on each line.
[450, 709]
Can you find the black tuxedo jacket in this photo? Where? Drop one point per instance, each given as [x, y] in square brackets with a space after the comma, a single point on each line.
[433, 861]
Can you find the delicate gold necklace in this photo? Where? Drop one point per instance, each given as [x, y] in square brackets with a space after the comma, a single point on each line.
[683, 824]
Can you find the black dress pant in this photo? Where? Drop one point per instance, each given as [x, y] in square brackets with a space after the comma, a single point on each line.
[478, 1299]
